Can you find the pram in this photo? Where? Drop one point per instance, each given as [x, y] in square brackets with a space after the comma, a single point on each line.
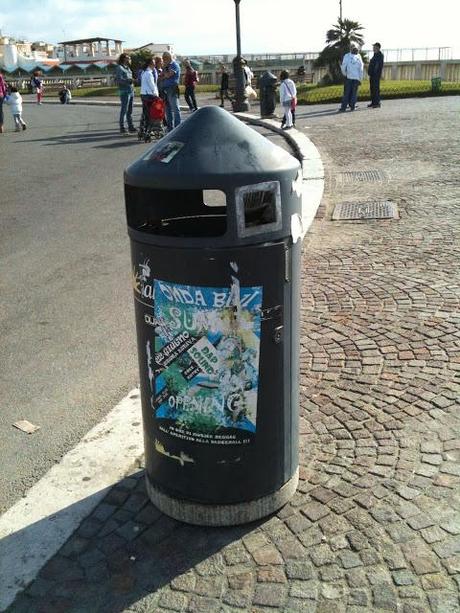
[151, 126]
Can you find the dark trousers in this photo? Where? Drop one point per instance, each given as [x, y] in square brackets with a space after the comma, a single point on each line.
[224, 94]
[350, 94]
[374, 84]
[190, 97]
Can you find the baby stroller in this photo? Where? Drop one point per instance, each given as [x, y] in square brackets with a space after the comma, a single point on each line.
[153, 113]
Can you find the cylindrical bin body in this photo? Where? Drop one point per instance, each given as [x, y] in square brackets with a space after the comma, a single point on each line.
[267, 85]
[214, 214]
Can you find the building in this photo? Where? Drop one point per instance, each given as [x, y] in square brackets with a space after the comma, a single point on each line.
[154, 48]
[21, 54]
[89, 50]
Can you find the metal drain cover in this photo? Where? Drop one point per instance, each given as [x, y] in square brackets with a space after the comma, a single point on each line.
[361, 176]
[383, 209]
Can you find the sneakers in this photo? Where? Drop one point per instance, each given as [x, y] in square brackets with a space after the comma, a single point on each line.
[122, 130]
[132, 130]
[24, 126]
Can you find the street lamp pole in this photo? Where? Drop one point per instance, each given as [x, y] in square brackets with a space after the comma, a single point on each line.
[240, 103]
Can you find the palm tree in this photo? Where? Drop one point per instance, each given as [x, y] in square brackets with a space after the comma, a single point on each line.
[338, 40]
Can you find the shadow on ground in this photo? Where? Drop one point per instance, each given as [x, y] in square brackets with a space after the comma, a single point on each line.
[122, 553]
[97, 137]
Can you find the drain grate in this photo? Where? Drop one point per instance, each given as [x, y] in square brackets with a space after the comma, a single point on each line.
[383, 209]
[362, 176]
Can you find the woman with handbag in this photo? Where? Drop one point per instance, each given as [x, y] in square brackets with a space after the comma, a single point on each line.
[288, 99]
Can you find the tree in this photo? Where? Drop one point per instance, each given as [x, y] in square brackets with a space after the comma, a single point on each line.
[338, 40]
[139, 59]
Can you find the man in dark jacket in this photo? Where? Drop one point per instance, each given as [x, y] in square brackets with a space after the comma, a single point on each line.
[374, 70]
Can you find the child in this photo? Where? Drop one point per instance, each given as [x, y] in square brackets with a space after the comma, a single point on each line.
[14, 100]
[37, 85]
[64, 95]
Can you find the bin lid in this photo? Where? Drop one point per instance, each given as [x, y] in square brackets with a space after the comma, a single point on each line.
[210, 148]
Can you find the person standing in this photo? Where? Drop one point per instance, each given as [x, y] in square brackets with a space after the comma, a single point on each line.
[14, 100]
[3, 92]
[124, 80]
[352, 69]
[374, 70]
[190, 80]
[37, 85]
[224, 86]
[170, 78]
[288, 94]
[149, 91]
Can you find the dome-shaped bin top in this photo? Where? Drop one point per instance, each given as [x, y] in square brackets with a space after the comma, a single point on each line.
[212, 181]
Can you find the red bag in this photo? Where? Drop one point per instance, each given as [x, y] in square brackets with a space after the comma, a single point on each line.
[293, 104]
[157, 110]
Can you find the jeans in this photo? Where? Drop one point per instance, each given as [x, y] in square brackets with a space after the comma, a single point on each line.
[18, 121]
[350, 94]
[173, 117]
[126, 99]
[287, 119]
[190, 97]
[374, 84]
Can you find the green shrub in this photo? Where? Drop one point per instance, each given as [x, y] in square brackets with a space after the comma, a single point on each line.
[388, 90]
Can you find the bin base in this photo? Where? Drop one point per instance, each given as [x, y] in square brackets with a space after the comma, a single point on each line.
[222, 514]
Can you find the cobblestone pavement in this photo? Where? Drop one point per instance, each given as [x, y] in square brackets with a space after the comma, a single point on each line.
[375, 523]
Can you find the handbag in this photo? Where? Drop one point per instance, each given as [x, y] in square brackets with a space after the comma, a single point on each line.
[250, 92]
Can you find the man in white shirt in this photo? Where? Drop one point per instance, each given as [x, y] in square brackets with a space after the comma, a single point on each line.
[352, 69]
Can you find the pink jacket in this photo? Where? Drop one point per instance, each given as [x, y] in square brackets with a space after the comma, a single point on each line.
[2, 87]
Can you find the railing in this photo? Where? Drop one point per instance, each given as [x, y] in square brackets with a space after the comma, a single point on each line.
[391, 55]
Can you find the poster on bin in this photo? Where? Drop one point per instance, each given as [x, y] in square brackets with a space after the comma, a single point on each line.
[204, 366]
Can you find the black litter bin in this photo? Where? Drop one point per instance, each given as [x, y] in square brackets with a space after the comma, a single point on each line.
[213, 213]
[267, 90]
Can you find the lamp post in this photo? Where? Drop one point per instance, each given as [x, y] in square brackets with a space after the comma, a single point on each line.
[240, 103]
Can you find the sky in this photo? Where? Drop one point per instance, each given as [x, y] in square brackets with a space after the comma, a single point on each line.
[208, 26]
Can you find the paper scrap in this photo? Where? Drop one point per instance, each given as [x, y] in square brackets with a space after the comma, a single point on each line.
[26, 426]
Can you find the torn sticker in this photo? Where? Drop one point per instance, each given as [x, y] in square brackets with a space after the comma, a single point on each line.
[165, 153]
[296, 227]
[297, 184]
[26, 426]
[182, 458]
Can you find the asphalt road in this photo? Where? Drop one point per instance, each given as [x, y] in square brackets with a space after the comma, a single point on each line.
[68, 351]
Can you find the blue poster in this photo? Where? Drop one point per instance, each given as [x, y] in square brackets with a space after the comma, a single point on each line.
[205, 359]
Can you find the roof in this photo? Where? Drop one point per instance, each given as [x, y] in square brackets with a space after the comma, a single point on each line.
[98, 39]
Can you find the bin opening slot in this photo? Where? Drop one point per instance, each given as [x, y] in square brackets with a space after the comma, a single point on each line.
[258, 208]
[179, 213]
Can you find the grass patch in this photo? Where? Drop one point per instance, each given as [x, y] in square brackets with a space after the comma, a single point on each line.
[388, 89]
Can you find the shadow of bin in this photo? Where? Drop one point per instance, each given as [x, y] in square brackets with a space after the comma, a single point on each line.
[213, 214]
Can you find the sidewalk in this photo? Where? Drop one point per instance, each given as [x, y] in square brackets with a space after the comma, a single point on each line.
[375, 523]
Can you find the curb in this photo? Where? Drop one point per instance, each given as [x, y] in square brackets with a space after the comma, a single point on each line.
[37, 526]
[91, 103]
